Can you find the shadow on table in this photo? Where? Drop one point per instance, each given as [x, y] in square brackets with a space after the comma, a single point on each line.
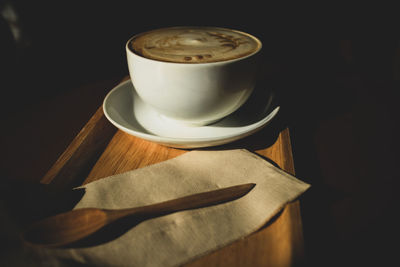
[25, 202]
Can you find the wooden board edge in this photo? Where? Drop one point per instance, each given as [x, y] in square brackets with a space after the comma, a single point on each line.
[80, 155]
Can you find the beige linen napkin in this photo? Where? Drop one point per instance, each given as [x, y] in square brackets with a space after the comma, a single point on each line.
[177, 238]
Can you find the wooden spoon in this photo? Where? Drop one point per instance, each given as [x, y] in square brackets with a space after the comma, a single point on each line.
[72, 226]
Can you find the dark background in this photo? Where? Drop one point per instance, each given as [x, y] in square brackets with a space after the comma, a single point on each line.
[339, 95]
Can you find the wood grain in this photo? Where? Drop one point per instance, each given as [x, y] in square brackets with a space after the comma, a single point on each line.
[279, 243]
[126, 152]
[75, 162]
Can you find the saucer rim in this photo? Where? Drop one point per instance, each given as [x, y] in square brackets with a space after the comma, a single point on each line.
[187, 141]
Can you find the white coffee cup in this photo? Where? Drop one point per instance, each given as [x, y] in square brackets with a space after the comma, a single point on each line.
[193, 93]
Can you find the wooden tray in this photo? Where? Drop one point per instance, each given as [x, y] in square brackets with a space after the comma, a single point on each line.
[100, 150]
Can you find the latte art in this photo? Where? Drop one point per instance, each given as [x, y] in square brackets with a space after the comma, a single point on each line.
[194, 44]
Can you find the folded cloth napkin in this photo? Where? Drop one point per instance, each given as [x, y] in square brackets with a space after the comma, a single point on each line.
[180, 237]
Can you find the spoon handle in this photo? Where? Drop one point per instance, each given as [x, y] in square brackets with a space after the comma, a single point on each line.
[69, 227]
[188, 202]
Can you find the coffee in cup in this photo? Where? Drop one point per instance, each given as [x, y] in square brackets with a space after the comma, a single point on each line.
[193, 75]
[194, 45]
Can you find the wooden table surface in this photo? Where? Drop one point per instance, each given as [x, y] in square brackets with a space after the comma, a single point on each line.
[100, 150]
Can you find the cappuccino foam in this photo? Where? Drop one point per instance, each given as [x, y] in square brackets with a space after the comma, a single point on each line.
[194, 44]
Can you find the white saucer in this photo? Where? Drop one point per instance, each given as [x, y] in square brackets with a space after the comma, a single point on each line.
[125, 110]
